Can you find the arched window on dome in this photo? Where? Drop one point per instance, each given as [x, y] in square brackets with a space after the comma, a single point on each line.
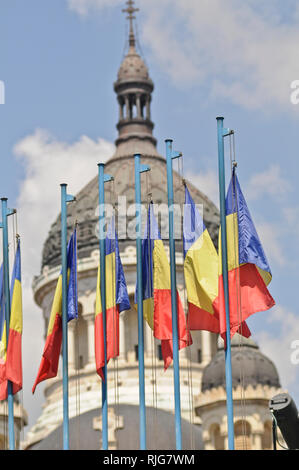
[242, 435]
[216, 439]
[133, 106]
[267, 436]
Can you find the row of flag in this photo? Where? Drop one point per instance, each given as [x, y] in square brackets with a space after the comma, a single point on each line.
[248, 273]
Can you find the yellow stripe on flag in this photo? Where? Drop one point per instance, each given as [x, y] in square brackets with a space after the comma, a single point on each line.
[201, 273]
[110, 285]
[148, 312]
[232, 236]
[232, 231]
[161, 267]
[56, 305]
[16, 322]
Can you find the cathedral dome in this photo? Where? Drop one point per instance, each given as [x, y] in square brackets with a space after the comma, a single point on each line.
[84, 210]
[248, 364]
[125, 434]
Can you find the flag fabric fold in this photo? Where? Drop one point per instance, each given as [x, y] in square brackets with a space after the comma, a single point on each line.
[200, 270]
[157, 292]
[248, 269]
[50, 359]
[117, 301]
[11, 354]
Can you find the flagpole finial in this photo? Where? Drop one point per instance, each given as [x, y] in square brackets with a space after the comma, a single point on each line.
[131, 10]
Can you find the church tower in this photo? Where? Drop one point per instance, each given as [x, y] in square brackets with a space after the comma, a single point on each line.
[134, 89]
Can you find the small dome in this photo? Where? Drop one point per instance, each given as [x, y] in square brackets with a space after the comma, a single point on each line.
[249, 365]
[133, 67]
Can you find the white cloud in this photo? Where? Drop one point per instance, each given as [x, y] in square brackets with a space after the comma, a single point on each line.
[270, 236]
[47, 163]
[243, 52]
[83, 7]
[206, 181]
[269, 182]
[278, 347]
[291, 215]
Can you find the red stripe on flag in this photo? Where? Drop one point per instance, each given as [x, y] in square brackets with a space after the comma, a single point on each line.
[163, 324]
[199, 319]
[112, 327]
[14, 358]
[3, 390]
[248, 294]
[49, 364]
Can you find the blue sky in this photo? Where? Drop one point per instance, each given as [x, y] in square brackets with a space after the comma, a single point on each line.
[59, 60]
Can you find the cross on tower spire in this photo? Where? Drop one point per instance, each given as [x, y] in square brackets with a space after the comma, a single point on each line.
[131, 10]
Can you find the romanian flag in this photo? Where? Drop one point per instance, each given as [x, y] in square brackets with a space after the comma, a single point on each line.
[248, 269]
[200, 270]
[11, 356]
[117, 300]
[49, 364]
[157, 292]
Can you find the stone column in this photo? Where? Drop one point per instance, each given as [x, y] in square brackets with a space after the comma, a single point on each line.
[121, 112]
[127, 104]
[90, 336]
[71, 345]
[257, 441]
[149, 343]
[138, 105]
[122, 337]
[206, 347]
[148, 107]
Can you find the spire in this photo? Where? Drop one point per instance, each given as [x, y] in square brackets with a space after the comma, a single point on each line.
[131, 10]
[134, 94]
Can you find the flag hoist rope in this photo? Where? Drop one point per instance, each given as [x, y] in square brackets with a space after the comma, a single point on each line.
[16, 238]
[153, 339]
[235, 206]
[78, 349]
[115, 359]
[138, 169]
[221, 134]
[6, 212]
[181, 190]
[102, 179]
[170, 156]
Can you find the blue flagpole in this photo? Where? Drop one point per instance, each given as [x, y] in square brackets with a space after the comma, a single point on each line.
[10, 399]
[142, 413]
[102, 180]
[222, 132]
[170, 155]
[65, 198]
